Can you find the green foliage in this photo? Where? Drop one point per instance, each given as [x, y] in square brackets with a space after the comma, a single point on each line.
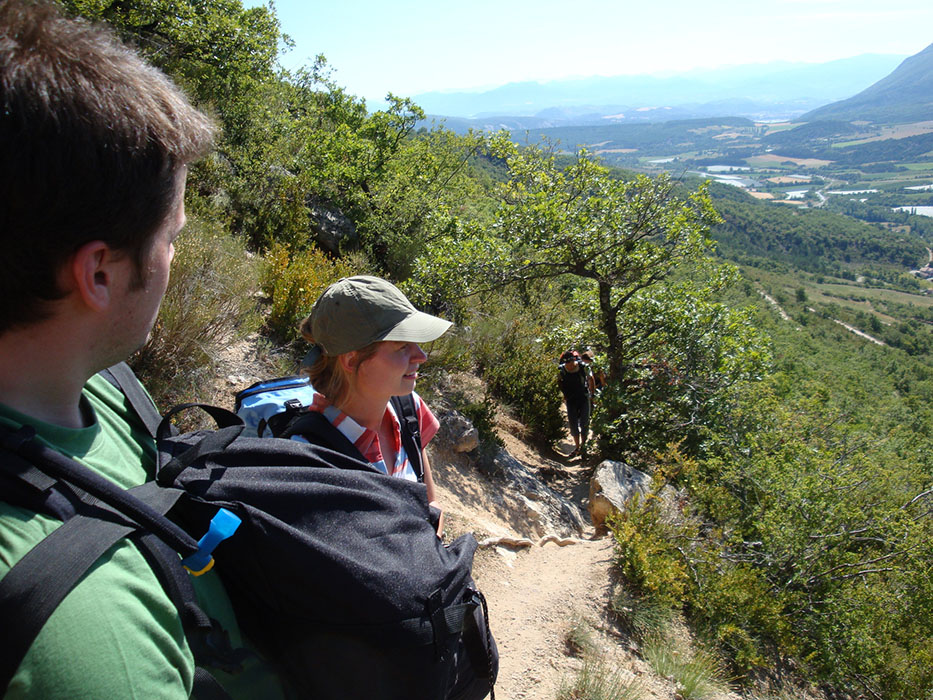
[685, 349]
[643, 616]
[646, 551]
[814, 492]
[426, 189]
[597, 680]
[814, 240]
[293, 280]
[697, 674]
[448, 273]
[519, 371]
[628, 258]
[208, 305]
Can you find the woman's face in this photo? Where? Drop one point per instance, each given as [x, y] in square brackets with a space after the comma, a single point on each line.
[391, 371]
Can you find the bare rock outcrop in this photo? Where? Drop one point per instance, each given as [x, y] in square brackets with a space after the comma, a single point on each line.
[546, 510]
[611, 487]
[536, 509]
[330, 228]
[457, 432]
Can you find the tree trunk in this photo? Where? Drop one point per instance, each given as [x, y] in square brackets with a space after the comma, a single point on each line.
[609, 321]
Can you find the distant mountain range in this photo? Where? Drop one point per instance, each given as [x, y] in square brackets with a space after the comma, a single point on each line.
[904, 96]
[767, 92]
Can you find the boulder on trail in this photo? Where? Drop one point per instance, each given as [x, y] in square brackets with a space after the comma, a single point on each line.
[612, 486]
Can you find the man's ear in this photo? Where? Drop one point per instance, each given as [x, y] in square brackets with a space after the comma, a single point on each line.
[90, 274]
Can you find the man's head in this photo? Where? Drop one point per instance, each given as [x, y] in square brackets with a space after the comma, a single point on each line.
[93, 142]
[569, 356]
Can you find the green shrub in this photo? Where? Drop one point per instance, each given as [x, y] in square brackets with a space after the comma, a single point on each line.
[646, 552]
[596, 680]
[743, 612]
[293, 280]
[209, 303]
[642, 616]
[519, 371]
[696, 674]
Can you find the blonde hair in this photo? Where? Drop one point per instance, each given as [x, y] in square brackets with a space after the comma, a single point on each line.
[327, 374]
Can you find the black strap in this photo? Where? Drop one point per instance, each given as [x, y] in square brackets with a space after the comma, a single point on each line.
[411, 432]
[487, 651]
[230, 426]
[59, 466]
[34, 587]
[97, 514]
[37, 584]
[316, 429]
[278, 422]
[122, 377]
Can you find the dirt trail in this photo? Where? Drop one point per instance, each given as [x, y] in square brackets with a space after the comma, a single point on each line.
[533, 597]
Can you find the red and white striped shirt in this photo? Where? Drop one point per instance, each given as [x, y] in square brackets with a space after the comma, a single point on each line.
[366, 440]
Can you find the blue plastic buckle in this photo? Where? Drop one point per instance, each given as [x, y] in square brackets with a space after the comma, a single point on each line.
[223, 524]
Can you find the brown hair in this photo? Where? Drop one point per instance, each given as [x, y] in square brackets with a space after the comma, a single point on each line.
[327, 375]
[92, 139]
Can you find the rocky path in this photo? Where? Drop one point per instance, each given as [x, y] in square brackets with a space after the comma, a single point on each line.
[534, 596]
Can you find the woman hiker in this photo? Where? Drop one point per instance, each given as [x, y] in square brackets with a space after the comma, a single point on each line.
[365, 337]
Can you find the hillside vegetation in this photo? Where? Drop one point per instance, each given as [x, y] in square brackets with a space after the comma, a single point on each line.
[800, 453]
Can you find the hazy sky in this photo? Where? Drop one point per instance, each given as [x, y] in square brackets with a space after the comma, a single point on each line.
[414, 46]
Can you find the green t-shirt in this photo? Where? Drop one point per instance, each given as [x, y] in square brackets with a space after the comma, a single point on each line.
[116, 635]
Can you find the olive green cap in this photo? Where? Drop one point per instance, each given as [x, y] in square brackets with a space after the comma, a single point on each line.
[356, 311]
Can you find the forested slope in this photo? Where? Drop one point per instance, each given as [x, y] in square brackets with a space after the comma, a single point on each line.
[808, 239]
[791, 546]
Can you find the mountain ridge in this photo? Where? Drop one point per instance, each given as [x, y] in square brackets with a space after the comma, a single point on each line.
[905, 95]
[781, 89]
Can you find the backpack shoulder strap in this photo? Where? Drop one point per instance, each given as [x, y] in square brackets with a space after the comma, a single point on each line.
[411, 431]
[34, 587]
[123, 378]
[314, 427]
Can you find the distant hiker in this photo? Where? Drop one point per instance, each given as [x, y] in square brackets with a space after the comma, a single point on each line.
[576, 384]
[365, 337]
[596, 369]
[95, 145]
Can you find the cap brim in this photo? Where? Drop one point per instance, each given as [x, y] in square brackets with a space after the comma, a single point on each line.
[418, 328]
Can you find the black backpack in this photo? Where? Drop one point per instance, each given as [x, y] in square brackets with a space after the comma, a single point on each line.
[336, 574]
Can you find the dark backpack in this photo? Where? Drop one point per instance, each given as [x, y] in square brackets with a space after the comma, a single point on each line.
[336, 574]
[573, 385]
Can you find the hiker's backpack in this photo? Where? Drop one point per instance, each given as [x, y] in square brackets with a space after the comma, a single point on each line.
[335, 574]
[573, 384]
[267, 405]
[277, 408]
